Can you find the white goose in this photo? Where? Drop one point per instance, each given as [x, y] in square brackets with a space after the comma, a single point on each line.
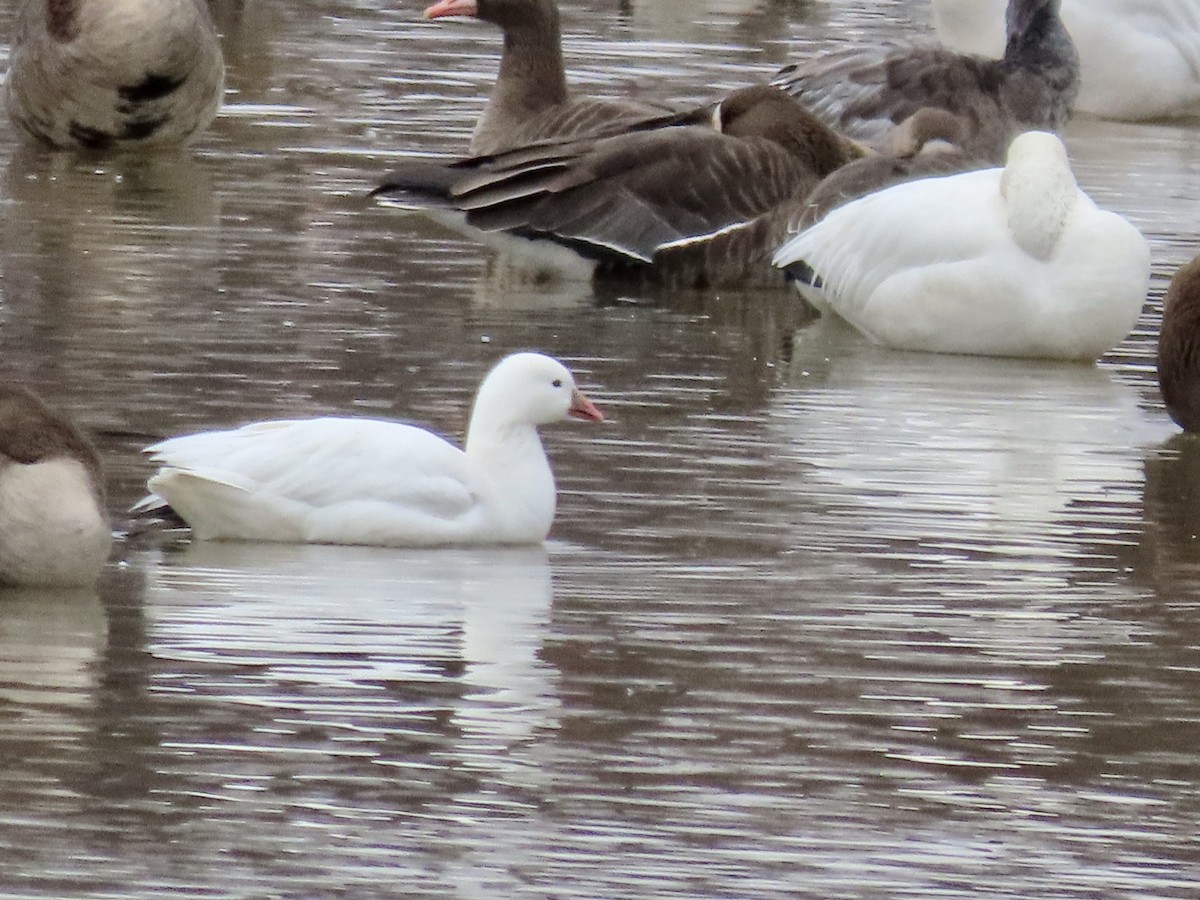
[53, 528]
[1138, 59]
[368, 481]
[1005, 262]
[96, 74]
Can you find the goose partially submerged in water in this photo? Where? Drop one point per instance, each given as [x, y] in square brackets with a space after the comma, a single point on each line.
[863, 92]
[1138, 59]
[1007, 262]
[53, 527]
[530, 100]
[100, 74]
[370, 481]
[683, 204]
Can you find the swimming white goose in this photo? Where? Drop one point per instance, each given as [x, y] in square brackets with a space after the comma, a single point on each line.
[368, 481]
[96, 74]
[1138, 59]
[1007, 262]
[53, 528]
[865, 91]
[1179, 347]
[530, 100]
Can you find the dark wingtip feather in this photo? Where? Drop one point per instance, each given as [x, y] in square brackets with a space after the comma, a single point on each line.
[802, 272]
[423, 180]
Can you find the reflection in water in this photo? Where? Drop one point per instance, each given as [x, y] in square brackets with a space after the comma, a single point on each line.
[109, 230]
[50, 641]
[990, 457]
[465, 623]
[827, 621]
[1169, 557]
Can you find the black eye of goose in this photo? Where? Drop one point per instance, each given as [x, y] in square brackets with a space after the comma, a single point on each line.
[557, 382]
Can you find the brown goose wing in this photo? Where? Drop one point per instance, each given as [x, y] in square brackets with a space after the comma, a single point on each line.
[624, 199]
[584, 117]
[865, 92]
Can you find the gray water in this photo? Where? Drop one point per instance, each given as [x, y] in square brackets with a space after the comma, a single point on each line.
[815, 619]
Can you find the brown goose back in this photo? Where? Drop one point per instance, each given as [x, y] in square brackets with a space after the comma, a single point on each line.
[1179, 347]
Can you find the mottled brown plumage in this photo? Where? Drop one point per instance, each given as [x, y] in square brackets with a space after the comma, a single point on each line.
[106, 74]
[926, 144]
[865, 91]
[1179, 347]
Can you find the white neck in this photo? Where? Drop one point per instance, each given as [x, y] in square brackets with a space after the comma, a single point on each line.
[513, 460]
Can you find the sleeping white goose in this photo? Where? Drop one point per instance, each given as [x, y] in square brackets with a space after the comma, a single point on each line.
[1005, 262]
[53, 528]
[369, 481]
[97, 74]
[1138, 59]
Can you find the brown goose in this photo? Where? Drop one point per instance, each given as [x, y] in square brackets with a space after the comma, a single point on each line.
[95, 74]
[53, 529]
[864, 92]
[1179, 348]
[530, 101]
[684, 205]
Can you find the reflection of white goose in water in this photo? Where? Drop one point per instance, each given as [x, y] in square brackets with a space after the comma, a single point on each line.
[986, 455]
[50, 641]
[345, 620]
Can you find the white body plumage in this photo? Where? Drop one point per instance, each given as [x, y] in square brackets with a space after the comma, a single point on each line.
[1007, 262]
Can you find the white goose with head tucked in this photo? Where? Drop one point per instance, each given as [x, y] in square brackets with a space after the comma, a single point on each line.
[1004, 262]
[368, 481]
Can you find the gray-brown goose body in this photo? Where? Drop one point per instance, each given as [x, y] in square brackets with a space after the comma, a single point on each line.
[100, 74]
[531, 100]
[864, 92]
[1179, 348]
[684, 204]
[926, 144]
[53, 528]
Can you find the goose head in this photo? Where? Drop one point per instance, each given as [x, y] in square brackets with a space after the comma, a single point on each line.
[1036, 37]
[1022, 16]
[930, 129]
[504, 13]
[1039, 190]
[525, 390]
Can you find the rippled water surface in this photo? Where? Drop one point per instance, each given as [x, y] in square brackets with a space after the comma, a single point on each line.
[816, 619]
